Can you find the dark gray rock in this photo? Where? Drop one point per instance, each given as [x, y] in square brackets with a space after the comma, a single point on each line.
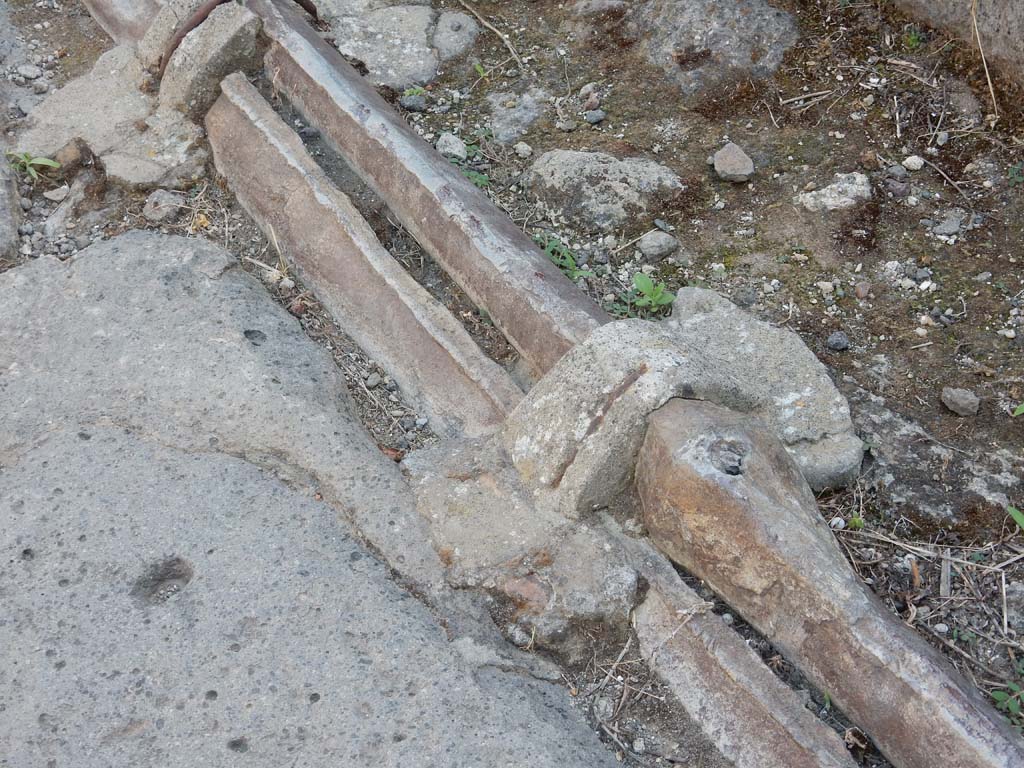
[838, 341]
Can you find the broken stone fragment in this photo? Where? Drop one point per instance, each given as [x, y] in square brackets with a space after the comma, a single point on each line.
[106, 109]
[224, 43]
[451, 146]
[845, 192]
[162, 27]
[455, 33]
[595, 190]
[575, 436]
[724, 499]
[733, 164]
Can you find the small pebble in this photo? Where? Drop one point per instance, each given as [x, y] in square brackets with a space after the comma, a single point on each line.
[962, 402]
[595, 116]
[913, 163]
[373, 381]
[838, 341]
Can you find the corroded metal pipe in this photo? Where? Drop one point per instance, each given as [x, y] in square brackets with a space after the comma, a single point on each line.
[722, 498]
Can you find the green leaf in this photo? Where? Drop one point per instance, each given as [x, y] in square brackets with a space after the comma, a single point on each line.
[1000, 696]
[44, 161]
[480, 69]
[1017, 515]
[667, 297]
[1019, 410]
[643, 283]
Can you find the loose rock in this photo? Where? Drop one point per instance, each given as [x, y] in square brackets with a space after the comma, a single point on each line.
[962, 402]
[733, 164]
[838, 341]
[163, 206]
[656, 245]
[848, 190]
[592, 189]
[451, 146]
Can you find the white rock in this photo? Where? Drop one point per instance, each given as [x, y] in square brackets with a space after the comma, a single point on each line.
[845, 192]
[657, 245]
[451, 146]
[58, 194]
[523, 150]
[733, 164]
[913, 163]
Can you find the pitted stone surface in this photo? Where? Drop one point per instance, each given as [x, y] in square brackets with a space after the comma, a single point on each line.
[701, 44]
[177, 463]
[177, 608]
[165, 335]
[401, 44]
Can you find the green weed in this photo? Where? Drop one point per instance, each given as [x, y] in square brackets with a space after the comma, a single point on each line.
[26, 164]
[562, 257]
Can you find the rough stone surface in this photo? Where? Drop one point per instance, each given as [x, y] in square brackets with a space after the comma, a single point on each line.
[162, 28]
[163, 206]
[487, 530]
[574, 438]
[125, 21]
[131, 566]
[657, 245]
[454, 34]
[723, 498]
[733, 164]
[512, 114]
[191, 352]
[702, 44]
[451, 146]
[597, 191]
[846, 191]
[916, 475]
[962, 402]
[119, 122]
[10, 212]
[401, 44]
[224, 43]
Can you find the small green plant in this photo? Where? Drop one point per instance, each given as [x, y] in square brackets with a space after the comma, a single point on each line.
[1017, 515]
[645, 299]
[856, 523]
[1019, 410]
[1015, 174]
[651, 296]
[481, 180]
[913, 39]
[562, 257]
[26, 164]
[415, 91]
[1008, 701]
[479, 69]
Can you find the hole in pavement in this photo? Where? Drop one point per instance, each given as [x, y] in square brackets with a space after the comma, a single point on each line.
[211, 695]
[240, 744]
[314, 698]
[28, 554]
[162, 580]
[256, 337]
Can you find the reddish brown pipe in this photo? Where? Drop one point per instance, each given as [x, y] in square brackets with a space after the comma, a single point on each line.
[201, 14]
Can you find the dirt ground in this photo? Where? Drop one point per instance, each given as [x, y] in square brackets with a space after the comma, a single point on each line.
[862, 90]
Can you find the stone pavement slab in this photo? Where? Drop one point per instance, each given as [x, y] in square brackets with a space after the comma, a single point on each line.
[174, 592]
